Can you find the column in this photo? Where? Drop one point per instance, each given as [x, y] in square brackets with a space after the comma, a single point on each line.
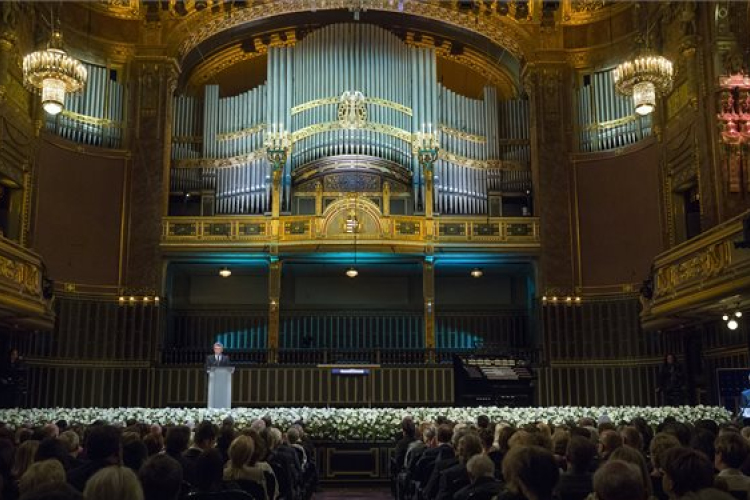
[547, 82]
[428, 291]
[274, 296]
[153, 80]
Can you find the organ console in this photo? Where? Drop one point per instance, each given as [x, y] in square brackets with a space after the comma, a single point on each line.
[493, 380]
[217, 142]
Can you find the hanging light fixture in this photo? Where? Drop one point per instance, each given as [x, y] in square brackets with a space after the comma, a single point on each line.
[477, 273]
[53, 73]
[644, 76]
[225, 272]
[352, 272]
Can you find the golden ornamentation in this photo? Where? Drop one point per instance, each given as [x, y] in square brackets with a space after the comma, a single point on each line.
[611, 123]
[239, 134]
[327, 126]
[500, 30]
[300, 108]
[706, 263]
[123, 9]
[466, 136]
[677, 100]
[220, 162]
[91, 120]
[325, 229]
[26, 277]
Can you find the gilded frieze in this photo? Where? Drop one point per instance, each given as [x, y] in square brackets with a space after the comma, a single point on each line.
[703, 265]
[501, 30]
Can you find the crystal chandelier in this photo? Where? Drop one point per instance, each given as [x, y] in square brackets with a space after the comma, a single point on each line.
[53, 73]
[644, 77]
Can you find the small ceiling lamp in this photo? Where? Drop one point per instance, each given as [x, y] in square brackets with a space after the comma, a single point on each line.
[477, 273]
[225, 272]
[732, 324]
[352, 272]
[53, 73]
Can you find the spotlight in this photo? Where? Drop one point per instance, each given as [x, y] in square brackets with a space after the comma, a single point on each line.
[476, 273]
[725, 317]
[225, 272]
[554, 299]
[578, 300]
[568, 299]
[544, 298]
[738, 314]
[146, 299]
[732, 324]
[352, 272]
[156, 299]
[132, 299]
[121, 299]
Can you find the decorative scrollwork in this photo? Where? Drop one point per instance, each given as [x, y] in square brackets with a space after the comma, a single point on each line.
[352, 112]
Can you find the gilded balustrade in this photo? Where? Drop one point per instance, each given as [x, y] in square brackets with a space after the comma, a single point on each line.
[22, 301]
[241, 231]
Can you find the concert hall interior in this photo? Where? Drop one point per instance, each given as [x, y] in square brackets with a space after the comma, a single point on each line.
[556, 188]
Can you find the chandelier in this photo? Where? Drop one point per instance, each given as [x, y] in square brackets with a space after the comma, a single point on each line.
[643, 77]
[53, 73]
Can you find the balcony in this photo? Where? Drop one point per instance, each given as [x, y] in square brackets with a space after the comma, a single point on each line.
[399, 233]
[703, 276]
[22, 302]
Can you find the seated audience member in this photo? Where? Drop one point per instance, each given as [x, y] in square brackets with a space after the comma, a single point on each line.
[428, 439]
[531, 472]
[280, 463]
[209, 478]
[294, 440]
[134, 452]
[103, 448]
[443, 450]
[660, 444]
[576, 483]
[113, 483]
[731, 452]
[52, 449]
[154, 444]
[408, 436]
[484, 486]
[238, 470]
[609, 441]
[24, 458]
[685, 471]
[204, 439]
[632, 437]
[161, 478]
[487, 437]
[54, 492]
[618, 480]
[560, 440]
[224, 439]
[635, 457]
[430, 490]
[456, 477]
[72, 443]
[175, 444]
[41, 474]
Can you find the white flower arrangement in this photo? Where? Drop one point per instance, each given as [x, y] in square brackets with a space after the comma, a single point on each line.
[357, 424]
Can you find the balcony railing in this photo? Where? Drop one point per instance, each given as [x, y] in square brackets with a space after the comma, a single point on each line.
[22, 301]
[257, 230]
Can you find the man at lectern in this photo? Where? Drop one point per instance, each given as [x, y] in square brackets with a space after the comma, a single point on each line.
[218, 358]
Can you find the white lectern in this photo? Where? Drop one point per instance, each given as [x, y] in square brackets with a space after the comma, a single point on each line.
[220, 386]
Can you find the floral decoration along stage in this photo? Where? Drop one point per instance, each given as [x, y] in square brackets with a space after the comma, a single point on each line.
[357, 424]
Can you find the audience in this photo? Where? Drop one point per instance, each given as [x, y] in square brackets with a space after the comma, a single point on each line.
[619, 480]
[113, 483]
[478, 460]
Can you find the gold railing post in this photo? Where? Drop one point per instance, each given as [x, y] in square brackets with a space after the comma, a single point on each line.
[274, 295]
[428, 290]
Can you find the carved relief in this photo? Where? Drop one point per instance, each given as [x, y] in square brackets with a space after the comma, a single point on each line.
[707, 263]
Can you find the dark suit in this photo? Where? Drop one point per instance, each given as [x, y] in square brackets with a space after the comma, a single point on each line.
[452, 480]
[433, 485]
[484, 488]
[426, 463]
[212, 361]
[575, 486]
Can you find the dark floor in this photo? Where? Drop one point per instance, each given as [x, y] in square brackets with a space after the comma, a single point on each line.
[354, 493]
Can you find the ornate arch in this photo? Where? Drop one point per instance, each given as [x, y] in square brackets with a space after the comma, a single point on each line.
[366, 212]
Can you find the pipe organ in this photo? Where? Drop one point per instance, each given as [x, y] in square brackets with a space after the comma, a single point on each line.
[606, 119]
[355, 92]
[94, 116]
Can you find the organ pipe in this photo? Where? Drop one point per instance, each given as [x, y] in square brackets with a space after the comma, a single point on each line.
[217, 142]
